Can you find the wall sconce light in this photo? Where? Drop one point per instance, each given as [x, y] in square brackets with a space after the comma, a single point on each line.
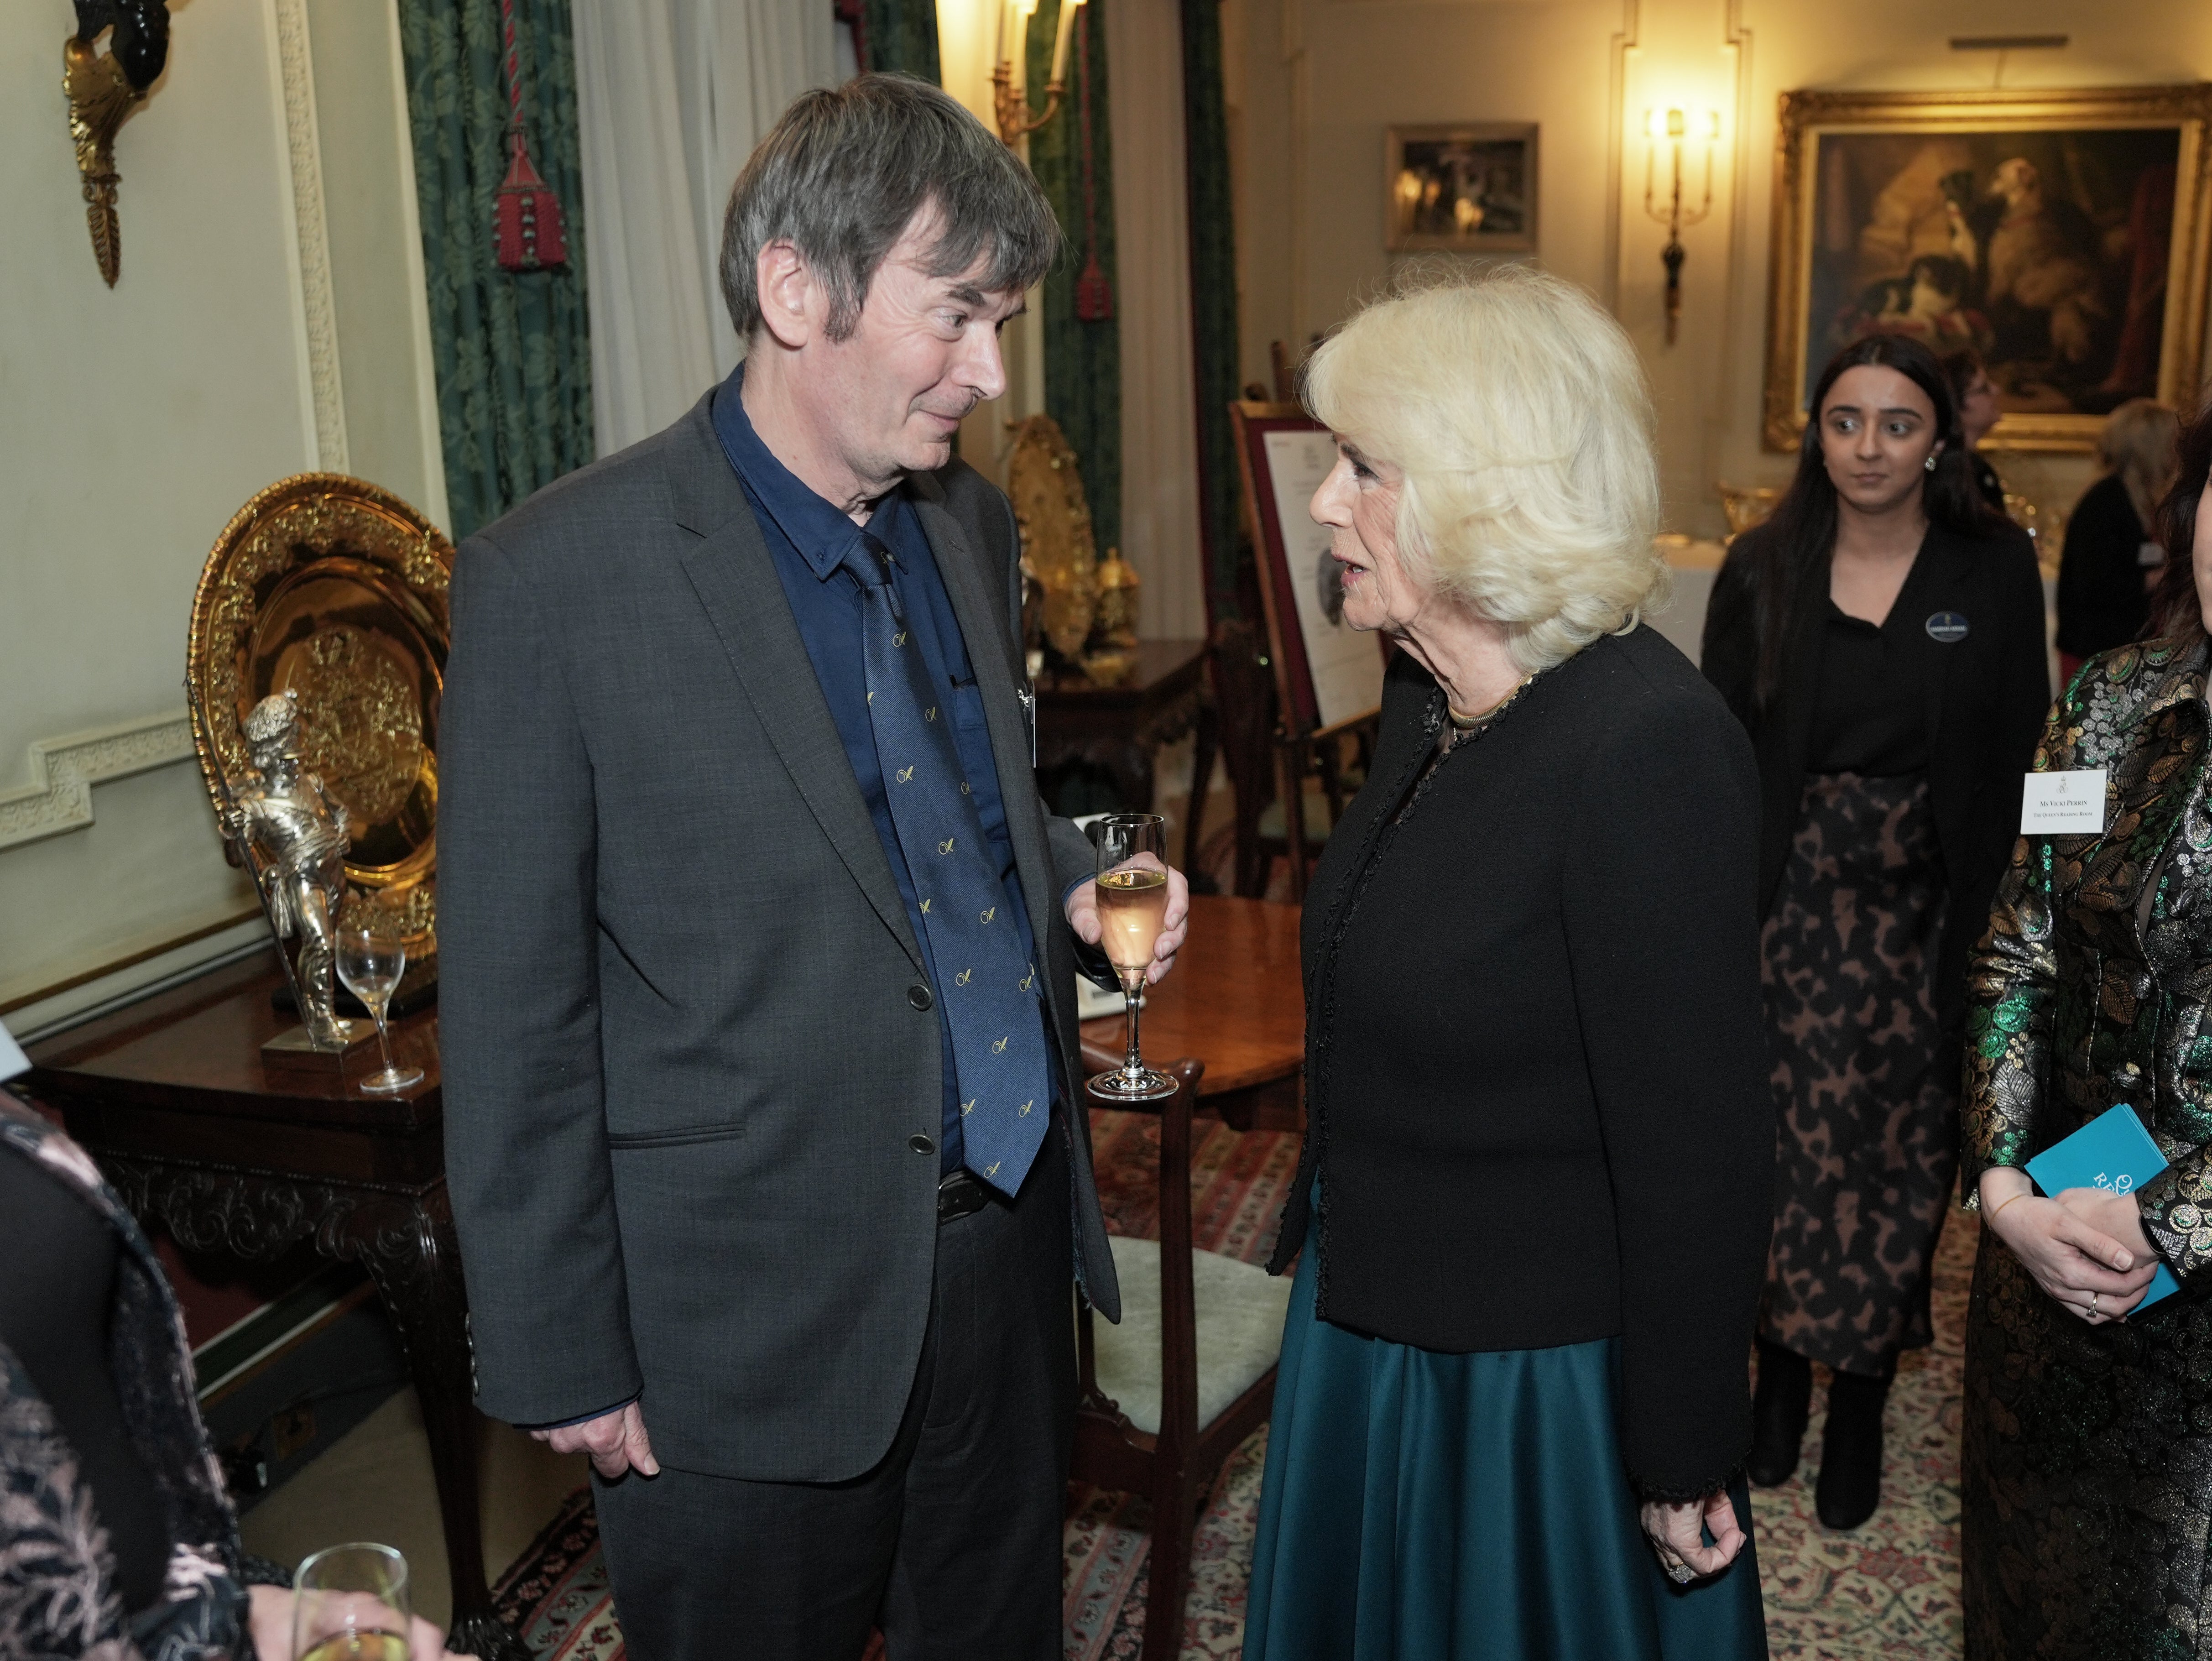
[1673, 129]
[1012, 105]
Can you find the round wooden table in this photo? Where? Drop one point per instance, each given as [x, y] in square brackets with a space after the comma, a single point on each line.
[1235, 1001]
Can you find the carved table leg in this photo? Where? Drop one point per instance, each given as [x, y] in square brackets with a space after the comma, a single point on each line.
[416, 1263]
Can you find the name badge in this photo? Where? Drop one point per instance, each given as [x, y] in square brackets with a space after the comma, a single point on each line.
[2150, 554]
[1947, 628]
[2063, 804]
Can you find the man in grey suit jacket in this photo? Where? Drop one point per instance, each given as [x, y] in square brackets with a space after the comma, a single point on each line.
[764, 1120]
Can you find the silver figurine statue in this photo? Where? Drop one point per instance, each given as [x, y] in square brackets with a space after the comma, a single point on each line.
[294, 832]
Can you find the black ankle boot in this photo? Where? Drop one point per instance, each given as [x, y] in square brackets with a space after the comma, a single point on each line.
[1779, 1408]
[1850, 1454]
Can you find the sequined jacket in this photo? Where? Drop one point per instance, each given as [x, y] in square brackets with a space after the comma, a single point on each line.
[57, 1597]
[2094, 984]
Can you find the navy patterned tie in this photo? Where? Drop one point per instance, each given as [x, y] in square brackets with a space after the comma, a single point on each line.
[987, 986]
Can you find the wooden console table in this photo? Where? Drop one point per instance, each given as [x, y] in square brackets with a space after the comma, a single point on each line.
[1236, 1002]
[1118, 726]
[170, 1096]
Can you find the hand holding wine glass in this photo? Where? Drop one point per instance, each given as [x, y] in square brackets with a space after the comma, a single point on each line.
[350, 1603]
[1132, 893]
[370, 962]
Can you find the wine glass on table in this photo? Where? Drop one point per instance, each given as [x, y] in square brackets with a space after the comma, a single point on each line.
[350, 1604]
[1133, 907]
[370, 960]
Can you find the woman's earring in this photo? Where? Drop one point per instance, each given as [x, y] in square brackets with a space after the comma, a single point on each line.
[1931, 464]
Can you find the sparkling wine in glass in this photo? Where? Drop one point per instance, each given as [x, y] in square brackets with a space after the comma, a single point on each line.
[370, 961]
[350, 1604]
[1133, 907]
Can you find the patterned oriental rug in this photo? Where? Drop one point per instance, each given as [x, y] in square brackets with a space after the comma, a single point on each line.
[1890, 1589]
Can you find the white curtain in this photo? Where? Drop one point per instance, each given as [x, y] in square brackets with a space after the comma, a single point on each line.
[1159, 417]
[671, 95]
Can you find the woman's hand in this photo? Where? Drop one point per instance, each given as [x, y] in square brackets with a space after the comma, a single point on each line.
[1676, 1534]
[2086, 1248]
[272, 1628]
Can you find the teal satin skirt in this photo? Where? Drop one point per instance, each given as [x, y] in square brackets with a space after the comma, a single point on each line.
[1420, 1505]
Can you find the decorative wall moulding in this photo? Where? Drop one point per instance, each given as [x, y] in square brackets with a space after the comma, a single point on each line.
[318, 302]
[58, 799]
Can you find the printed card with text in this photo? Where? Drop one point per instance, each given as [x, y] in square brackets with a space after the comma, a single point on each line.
[2071, 803]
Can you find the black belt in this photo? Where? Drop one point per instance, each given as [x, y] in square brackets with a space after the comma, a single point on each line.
[961, 1194]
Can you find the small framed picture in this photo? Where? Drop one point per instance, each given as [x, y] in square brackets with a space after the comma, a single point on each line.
[1465, 188]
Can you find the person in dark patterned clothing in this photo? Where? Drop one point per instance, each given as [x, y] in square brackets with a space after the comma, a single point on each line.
[1881, 638]
[2087, 1437]
[117, 1540]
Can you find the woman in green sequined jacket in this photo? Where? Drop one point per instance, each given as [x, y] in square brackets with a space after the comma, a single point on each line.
[2087, 1438]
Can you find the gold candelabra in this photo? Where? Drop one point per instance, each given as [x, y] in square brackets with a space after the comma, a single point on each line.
[1672, 128]
[1011, 102]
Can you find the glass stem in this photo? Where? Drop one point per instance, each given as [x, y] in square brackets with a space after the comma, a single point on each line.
[383, 1043]
[1131, 1065]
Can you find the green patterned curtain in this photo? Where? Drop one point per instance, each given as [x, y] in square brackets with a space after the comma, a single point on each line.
[1212, 298]
[1081, 356]
[513, 350]
[902, 34]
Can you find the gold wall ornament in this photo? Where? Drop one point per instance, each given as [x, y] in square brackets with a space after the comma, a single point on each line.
[1055, 517]
[334, 590]
[102, 89]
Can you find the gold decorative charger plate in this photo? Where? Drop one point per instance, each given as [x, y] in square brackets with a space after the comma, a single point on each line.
[1046, 491]
[326, 586]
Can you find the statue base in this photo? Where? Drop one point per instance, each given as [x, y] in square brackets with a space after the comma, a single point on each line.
[293, 1052]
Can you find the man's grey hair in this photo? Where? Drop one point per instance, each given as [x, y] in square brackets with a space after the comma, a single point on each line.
[844, 172]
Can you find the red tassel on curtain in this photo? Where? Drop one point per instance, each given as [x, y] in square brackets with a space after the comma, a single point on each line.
[1093, 294]
[527, 233]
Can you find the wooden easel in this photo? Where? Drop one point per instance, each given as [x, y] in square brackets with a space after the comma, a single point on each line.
[1303, 747]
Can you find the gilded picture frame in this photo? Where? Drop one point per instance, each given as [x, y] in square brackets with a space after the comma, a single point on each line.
[2063, 235]
[1460, 188]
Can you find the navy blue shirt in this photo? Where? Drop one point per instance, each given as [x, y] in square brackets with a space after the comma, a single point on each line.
[808, 537]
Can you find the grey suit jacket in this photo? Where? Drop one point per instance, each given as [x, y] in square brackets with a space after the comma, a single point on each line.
[677, 999]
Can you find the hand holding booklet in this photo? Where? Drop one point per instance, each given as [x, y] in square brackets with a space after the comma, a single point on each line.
[2111, 1151]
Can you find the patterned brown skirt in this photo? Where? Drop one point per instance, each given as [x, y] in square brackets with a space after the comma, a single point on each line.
[1869, 1132]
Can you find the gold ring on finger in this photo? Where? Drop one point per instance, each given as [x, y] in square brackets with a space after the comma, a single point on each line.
[2093, 1303]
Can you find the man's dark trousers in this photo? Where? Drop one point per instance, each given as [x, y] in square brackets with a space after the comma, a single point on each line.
[952, 1542]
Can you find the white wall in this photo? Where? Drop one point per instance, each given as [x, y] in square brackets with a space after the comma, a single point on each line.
[1317, 82]
[134, 422]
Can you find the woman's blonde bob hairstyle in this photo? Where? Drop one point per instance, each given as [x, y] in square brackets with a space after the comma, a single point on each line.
[1518, 413]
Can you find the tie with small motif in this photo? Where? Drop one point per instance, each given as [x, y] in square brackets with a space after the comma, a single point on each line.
[987, 986]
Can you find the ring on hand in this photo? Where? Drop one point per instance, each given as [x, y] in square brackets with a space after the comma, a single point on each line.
[2093, 1303]
[1681, 1573]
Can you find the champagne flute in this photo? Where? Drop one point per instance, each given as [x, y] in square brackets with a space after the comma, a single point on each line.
[369, 962]
[350, 1604]
[1132, 907]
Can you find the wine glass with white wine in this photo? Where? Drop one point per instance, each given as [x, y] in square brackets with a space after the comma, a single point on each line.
[370, 962]
[1133, 909]
[350, 1604]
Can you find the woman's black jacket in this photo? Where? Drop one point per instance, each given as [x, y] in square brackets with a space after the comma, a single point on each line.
[2102, 602]
[1535, 1064]
[1987, 697]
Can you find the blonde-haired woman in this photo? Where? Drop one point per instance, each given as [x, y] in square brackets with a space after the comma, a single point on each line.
[1532, 1209]
[2111, 561]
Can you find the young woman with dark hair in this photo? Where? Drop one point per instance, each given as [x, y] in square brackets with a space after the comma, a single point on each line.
[2087, 1446]
[1881, 638]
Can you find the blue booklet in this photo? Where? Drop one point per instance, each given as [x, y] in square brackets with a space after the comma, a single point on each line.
[2113, 1151]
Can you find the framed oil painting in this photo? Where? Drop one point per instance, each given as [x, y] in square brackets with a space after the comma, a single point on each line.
[2062, 235]
[1465, 189]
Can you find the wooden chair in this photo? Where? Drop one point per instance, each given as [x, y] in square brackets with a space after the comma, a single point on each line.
[1194, 1372]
